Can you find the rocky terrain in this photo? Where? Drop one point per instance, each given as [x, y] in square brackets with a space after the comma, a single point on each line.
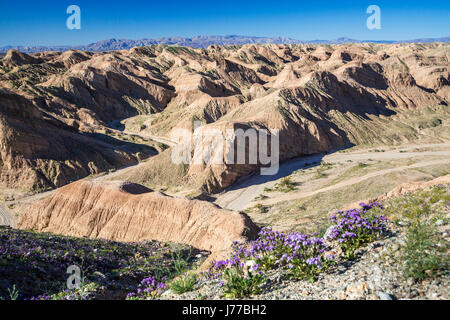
[380, 269]
[401, 253]
[97, 131]
[322, 97]
[129, 212]
[376, 275]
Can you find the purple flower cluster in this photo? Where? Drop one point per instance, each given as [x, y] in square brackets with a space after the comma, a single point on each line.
[302, 254]
[148, 289]
[356, 227]
[37, 262]
[235, 262]
[65, 295]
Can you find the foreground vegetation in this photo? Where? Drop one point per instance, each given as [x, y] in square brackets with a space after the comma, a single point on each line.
[423, 255]
[34, 266]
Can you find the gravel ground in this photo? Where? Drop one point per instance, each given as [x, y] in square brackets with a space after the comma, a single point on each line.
[375, 275]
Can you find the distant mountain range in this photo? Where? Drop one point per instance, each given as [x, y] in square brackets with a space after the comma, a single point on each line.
[201, 42]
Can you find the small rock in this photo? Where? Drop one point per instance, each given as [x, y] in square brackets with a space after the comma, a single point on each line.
[167, 293]
[385, 296]
[99, 275]
[377, 245]
[356, 291]
[410, 281]
[328, 232]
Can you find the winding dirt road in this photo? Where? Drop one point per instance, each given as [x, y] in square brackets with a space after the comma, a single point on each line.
[162, 140]
[241, 195]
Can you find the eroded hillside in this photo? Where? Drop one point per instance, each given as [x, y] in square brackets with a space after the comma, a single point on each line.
[318, 97]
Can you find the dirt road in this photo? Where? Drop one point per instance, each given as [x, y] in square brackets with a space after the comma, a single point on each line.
[241, 195]
[162, 140]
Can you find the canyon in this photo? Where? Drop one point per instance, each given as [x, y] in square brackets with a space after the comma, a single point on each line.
[96, 127]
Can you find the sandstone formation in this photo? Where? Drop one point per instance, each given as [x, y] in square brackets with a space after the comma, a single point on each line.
[404, 189]
[414, 186]
[318, 97]
[40, 151]
[130, 212]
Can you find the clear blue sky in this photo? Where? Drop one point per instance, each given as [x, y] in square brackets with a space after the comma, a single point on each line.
[44, 22]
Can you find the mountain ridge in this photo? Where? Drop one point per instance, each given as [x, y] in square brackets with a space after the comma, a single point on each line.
[113, 44]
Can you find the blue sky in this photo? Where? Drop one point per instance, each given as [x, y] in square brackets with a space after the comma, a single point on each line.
[44, 23]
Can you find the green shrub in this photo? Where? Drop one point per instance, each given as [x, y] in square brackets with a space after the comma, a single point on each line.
[362, 165]
[261, 208]
[236, 283]
[13, 293]
[424, 254]
[419, 205]
[184, 284]
[320, 174]
[285, 185]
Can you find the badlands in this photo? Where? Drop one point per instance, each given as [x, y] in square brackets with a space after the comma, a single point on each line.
[86, 138]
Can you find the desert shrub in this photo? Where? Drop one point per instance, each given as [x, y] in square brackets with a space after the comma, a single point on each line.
[320, 171]
[320, 174]
[13, 293]
[184, 284]
[424, 254]
[261, 208]
[285, 185]
[362, 165]
[420, 204]
[239, 280]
